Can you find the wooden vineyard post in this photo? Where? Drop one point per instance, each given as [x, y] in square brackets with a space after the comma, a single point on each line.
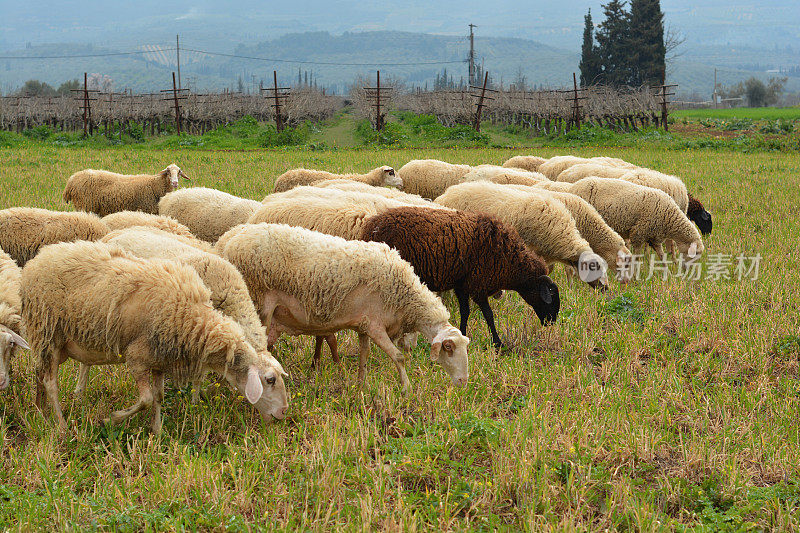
[277, 94]
[481, 101]
[376, 94]
[576, 108]
[177, 96]
[85, 98]
[664, 103]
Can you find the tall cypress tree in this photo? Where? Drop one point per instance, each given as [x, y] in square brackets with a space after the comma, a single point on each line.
[648, 60]
[613, 39]
[590, 62]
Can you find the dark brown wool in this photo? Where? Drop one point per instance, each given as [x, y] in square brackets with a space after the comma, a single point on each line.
[698, 214]
[475, 254]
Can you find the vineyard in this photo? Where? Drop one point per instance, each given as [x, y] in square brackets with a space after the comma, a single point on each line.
[543, 112]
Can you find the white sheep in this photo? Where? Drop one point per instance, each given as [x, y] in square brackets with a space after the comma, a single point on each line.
[381, 176]
[24, 230]
[98, 304]
[429, 178]
[543, 222]
[10, 319]
[503, 175]
[305, 282]
[208, 213]
[104, 192]
[672, 185]
[128, 219]
[338, 213]
[229, 293]
[394, 194]
[604, 241]
[643, 215]
[525, 162]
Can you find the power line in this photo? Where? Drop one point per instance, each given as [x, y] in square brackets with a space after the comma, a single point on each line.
[334, 63]
[80, 56]
[237, 56]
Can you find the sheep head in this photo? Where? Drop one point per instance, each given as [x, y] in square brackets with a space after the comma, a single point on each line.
[174, 173]
[390, 177]
[9, 342]
[542, 294]
[449, 349]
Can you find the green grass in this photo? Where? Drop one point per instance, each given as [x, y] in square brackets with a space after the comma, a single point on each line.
[660, 405]
[753, 113]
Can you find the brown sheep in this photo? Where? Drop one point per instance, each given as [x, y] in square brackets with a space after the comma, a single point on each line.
[448, 250]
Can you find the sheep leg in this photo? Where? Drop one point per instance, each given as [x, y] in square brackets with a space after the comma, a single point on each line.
[379, 336]
[463, 308]
[363, 353]
[658, 248]
[83, 379]
[50, 382]
[158, 397]
[333, 346]
[317, 352]
[488, 316]
[145, 401]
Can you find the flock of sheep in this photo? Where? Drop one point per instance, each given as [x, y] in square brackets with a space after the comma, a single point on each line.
[178, 282]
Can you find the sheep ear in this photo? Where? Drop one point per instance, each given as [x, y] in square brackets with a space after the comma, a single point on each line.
[254, 389]
[19, 341]
[692, 250]
[183, 175]
[436, 347]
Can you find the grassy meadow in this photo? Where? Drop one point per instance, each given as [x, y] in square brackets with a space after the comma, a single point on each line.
[658, 405]
[753, 113]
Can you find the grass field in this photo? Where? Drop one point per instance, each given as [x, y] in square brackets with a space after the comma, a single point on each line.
[659, 405]
[753, 113]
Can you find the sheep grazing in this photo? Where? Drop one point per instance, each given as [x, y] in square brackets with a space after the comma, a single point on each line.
[530, 163]
[98, 304]
[308, 283]
[429, 178]
[604, 241]
[381, 176]
[128, 219]
[504, 176]
[644, 215]
[10, 319]
[104, 192]
[229, 293]
[393, 194]
[671, 185]
[24, 230]
[544, 223]
[208, 213]
[448, 251]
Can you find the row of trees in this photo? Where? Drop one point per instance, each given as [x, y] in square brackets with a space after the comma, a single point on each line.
[627, 48]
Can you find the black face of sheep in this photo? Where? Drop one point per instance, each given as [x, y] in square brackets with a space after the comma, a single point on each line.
[703, 220]
[544, 299]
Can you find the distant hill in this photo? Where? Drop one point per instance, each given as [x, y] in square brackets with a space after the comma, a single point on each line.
[505, 58]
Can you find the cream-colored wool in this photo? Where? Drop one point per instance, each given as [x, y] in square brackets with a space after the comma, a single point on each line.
[338, 284]
[127, 219]
[24, 230]
[104, 192]
[643, 215]
[98, 304]
[504, 176]
[394, 194]
[338, 213]
[381, 176]
[229, 293]
[614, 162]
[672, 185]
[604, 241]
[429, 178]
[208, 213]
[10, 319]
[558, 164]
[543, 222]
[530, 163]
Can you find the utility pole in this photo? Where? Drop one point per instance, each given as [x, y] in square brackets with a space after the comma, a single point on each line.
[714, 94]
[471, 55]
[178, 52]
